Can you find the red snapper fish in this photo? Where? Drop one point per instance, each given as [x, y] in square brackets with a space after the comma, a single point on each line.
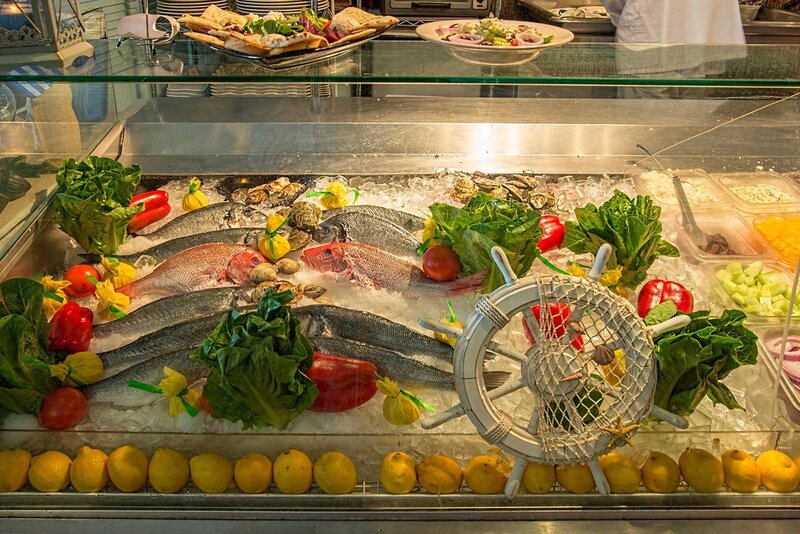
[201, 267]
[368, 266]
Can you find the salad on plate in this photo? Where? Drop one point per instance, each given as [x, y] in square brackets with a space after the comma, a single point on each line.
[492, 31]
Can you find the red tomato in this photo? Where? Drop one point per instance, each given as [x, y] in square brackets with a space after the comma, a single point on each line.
[441, 263]
[63, 408]
[78, 278]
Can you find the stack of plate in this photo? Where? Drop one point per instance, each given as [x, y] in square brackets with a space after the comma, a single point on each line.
[186, 90]
[176, 8]
[269, 89]
[287, 7]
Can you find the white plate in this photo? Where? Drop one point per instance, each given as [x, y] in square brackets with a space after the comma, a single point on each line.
[495, 55]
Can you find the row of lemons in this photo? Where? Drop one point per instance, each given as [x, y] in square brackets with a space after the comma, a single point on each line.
[293, 472]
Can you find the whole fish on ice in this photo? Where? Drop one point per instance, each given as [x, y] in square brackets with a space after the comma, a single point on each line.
[408, 371]
[327, 320]
[166, 312]
[407, 221]
[163, 251]
[217, 216]
[200, 267]
[187, 335]
[372, 267]
[115, 389]
[363, 227]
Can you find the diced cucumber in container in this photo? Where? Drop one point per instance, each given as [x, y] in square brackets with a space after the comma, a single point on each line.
[755, 290]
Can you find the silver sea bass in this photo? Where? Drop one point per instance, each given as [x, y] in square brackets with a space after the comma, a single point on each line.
[364, 227]
[407, 221]
[218, 216]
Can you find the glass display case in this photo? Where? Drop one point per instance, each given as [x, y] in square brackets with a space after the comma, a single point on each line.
[402, 125]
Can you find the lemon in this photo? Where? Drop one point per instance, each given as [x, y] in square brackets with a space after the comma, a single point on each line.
[14, 465]
[398, 473]
[89, 470]
[701, 470]
[660, 473]
[253, 473]
[168, 471]
[211, 473]
[50, 471]
[487, 474]
[741, 471]
[622, 473]
[127, 468]
[538, 478]
[575, 478]
[778, 472]
[439, 474]
[335, 473]
[292, 472]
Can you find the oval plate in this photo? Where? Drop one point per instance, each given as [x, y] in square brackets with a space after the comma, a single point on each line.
[495, 55]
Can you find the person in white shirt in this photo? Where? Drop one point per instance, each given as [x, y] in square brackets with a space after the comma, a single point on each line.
[676, 21]
[654, 35]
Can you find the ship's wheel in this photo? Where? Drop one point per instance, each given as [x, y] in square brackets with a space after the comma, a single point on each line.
[589, 374]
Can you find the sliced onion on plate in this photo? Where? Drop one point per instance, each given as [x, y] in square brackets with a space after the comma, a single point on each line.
[529, 39]
[466, 38]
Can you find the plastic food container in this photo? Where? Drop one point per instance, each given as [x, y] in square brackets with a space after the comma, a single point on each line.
[741, 236]
[784, 255]
[790, 388]
[711, 271]
[743, 188]
[701, 190]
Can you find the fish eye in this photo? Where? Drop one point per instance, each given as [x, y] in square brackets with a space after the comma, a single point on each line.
[255, 261]
[326, 254]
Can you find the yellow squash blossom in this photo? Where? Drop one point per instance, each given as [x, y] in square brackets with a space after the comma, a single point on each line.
[118, 273]
[429, 231]
[576, 270]
[194, 199]
[275, 221]
[79, 369]
[54, 297]
[175, 387]
[611, 277]
[111, 305]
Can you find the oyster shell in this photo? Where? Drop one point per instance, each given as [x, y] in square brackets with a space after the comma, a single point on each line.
[298, 238]
[540, 200]
[305, 215]
[464, 190]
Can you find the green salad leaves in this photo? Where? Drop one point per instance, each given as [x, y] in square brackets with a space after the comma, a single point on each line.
[631, 226]
[92, 203]
[287, 27]
[693, 360]
[483, 223]
[23, 332]
[257, 362]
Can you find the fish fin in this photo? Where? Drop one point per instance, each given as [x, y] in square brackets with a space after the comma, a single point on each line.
[465, 285]
[127, 290]
[495, 379]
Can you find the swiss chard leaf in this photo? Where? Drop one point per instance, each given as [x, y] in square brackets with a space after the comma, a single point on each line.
[631, 226]
[92, 203]
[692, 361]
[257, 362]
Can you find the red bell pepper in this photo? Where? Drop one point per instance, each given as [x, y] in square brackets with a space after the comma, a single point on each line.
[71, 329]
[343, 383]
[552, 233]
[560, 313]
[156, 207]
[655, 292]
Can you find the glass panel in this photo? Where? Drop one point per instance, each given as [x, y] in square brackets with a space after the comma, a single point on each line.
[424, 62]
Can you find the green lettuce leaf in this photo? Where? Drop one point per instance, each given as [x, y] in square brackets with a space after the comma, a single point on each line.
[92, 203]
[257, 362]
[486, 222]
[631, 226]
[693, 360]
[23, 332]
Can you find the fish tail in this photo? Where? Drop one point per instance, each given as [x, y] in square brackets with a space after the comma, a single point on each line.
[465, 285]
[495, 379]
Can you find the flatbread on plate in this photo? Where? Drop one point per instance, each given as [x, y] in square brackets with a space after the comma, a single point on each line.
[206, 38]
[199, 24]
